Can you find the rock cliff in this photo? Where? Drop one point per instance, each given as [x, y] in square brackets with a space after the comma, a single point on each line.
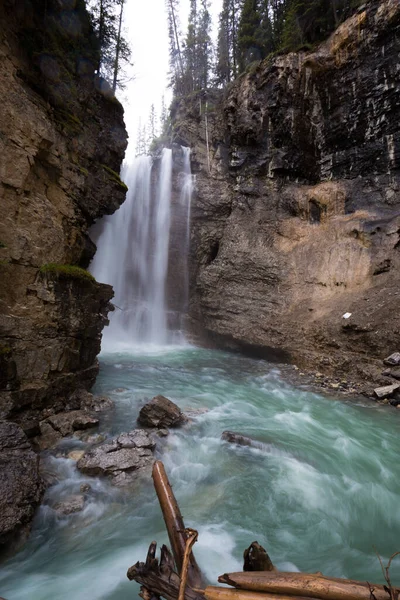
[62, 141]
[296, 219]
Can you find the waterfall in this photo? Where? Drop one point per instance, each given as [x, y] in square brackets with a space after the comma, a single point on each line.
[186, 201]
[134, 250]
[162, 218]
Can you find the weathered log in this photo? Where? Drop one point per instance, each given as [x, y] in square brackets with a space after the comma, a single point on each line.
[174, 524]
[256, 559]
[305, 584]
[192, 538]
[160, 579]
[219, 593]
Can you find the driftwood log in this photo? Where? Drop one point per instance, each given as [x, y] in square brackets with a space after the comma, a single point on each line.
[160, 578]
[175, 525]
[220, 593]
[305, 584]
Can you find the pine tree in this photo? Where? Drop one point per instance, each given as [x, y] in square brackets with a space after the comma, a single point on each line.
[204, 47]
[227, 48]
[249, 43]
[163, 117]
[175, 53]
[114, 50]
[191, 48]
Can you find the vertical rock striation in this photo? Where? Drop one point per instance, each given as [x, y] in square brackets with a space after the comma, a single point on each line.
[297, 221]
[62, 141]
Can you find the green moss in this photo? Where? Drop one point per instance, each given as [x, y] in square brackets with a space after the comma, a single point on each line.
[2, 245]
[4, 350]
[115, 178]
[66, 271]
[69, 122]
[84, 171]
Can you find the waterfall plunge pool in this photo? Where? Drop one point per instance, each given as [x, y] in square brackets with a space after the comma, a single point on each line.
[322, 493]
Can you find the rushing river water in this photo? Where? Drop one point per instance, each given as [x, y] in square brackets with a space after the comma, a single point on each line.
[321, 494]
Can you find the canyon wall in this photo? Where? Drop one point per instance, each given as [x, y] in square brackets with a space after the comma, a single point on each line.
[296, 219]
[62, 141]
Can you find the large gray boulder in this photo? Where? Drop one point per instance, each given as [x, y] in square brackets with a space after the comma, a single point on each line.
[122, 459]
[161, 413]
[20, 486]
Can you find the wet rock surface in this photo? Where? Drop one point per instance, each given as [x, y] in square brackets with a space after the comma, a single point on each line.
[122, 459]
[73, 504]
[53, 185]
[20, 486]
[55, 427]
[162, 413]
[241, 440]
[296, 222]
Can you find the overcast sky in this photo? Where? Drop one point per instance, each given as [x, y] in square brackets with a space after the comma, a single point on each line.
[147, 30]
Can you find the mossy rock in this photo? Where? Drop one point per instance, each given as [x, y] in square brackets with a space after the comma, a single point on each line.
[114, 177]
[69, 122]
[66, 271]
[2, 245]
[5, 351]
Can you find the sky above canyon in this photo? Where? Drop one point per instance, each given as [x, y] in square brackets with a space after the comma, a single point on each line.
[146, 29]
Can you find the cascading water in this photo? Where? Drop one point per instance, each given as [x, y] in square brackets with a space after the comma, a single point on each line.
[132, 256]
[186, 202]
[162, 219]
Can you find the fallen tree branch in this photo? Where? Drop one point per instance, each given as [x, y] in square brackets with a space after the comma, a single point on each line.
[175, 525]
[220, 593]
[160, 579]
[305, 584]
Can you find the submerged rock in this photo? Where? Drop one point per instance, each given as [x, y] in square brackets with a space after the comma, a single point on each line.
[161, 412]
[70, 505]
[20, 485]
[241, 440]
[122, 459]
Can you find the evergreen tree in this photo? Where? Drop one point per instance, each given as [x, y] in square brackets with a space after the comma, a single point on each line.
[204, 47]
[163, 116]
[249, 42]
[227, 49]
[191, 48]
[175, 53]
[114, 51]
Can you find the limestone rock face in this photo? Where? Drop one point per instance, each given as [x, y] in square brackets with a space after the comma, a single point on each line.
[20, 485]
[62, 142]
[296, 217]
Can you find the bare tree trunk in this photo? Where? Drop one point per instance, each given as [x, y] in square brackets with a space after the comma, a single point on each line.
[118, 48]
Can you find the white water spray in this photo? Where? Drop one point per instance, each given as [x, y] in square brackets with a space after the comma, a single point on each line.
[133, 253]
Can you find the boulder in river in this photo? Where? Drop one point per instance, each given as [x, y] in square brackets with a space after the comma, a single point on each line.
[241, 440]
[20, 485]
[73, 504]
[161, 412]
[121, 459]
